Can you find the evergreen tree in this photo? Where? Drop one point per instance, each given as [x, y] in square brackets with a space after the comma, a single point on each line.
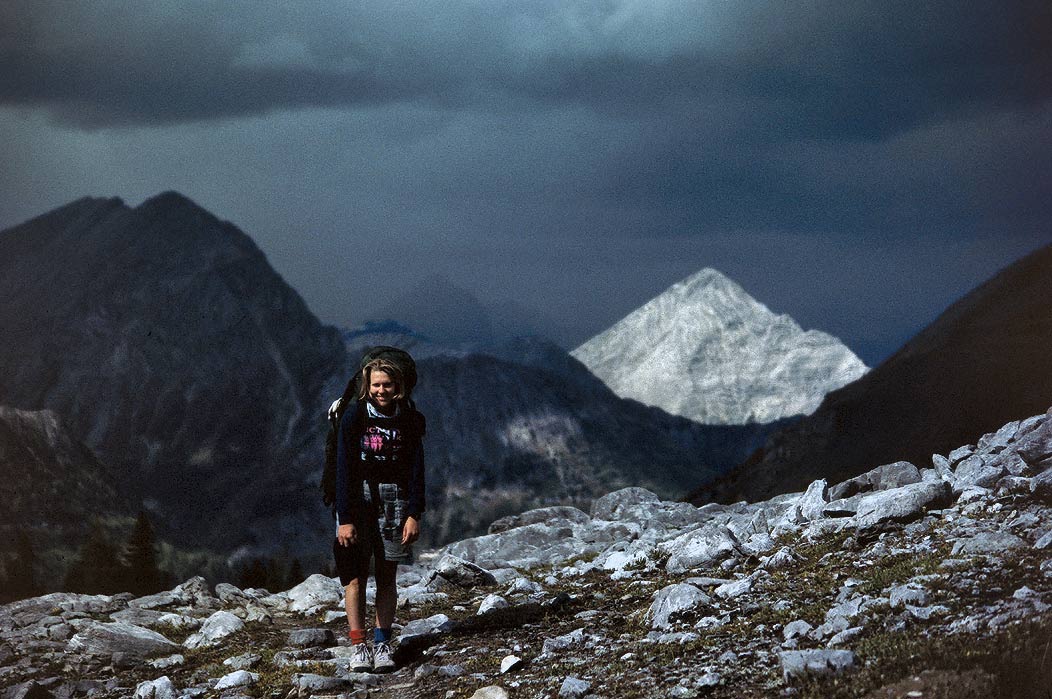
[295, 576]
[252, 574]
[20, 581]
[140, 556]
[97, 569]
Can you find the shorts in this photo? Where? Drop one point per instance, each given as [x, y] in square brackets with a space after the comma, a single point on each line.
[379, 534]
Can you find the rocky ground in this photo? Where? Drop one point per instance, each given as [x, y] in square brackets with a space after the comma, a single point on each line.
[902, 582]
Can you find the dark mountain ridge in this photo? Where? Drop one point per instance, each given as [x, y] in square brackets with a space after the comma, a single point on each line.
[166, 341]
[983, 362]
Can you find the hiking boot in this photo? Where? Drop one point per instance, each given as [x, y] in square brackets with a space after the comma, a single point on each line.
[361, 658]
[383, 658]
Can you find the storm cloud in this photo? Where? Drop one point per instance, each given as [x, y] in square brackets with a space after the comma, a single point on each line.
[539, 151]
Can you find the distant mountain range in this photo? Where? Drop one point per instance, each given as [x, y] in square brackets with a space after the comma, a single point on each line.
[708, 351]
[165, 341]
[982, 363]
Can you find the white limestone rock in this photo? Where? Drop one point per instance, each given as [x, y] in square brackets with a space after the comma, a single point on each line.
[216, 627]
[672, 600]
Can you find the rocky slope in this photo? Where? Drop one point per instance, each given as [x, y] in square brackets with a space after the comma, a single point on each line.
[706, 350]
[982, 363]
[907, 581]
[167, 343]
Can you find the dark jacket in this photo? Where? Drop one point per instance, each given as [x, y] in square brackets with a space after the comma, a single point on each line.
[407, 470]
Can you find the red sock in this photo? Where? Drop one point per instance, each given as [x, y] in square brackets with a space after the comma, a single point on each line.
[357, 636]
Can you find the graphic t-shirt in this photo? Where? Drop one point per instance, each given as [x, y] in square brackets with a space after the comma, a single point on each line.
[381, 444]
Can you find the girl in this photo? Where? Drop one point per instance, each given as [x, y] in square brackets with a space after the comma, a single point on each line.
[379, 498]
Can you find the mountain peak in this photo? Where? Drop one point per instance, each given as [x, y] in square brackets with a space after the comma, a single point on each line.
[723, 357]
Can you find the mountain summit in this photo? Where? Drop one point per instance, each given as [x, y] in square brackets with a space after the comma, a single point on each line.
[708, 351]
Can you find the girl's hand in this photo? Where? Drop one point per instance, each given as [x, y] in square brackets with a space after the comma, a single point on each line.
[410, 531]
[346, 535]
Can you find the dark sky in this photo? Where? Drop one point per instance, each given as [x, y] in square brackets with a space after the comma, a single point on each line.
[858, 165]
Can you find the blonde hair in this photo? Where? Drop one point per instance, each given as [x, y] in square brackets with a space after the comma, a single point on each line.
[389, 368]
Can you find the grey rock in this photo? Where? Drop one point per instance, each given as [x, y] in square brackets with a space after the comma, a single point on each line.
[161, 688]
[438, 623]
[524, 586]
[179, 621]
[1036, 447]
[492, 602]
[216, 627]
[783, 558]
[238, 678]
[1044, 541]
[974, 471]
[1041, 485]
[926, 613]
[673, 600]
[137, 617]
[195, 592]
[987, 543]
[960, 453]
[1013, 485]
[901, 505]
[796, 629]
[845, 636]
[559, 643]
[463, 573]
[902, 595]
[167, 662]
[886, 477]
[814, 500]
[308, 684]
[161, 599]
[572, 688]
[798, 664]
[737, 588]
[702, 547]
[312, 638]
[844, 507]
[314, 594]
[510, 664]
[526, 547]
[105, 639]
[943, 467]
[491, 692]
[539, 516]
[243, 662]
[646, 509]
[28, 690]
[231, 594]
[452, 670]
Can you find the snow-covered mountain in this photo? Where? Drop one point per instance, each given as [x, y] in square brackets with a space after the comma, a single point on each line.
[708, 351]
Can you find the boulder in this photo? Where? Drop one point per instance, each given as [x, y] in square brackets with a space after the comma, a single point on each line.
[884, 477]
[104, 639]
[238, 678]
[672, 600]
[216, 627]
[701, 547]
[798, 664]
[195, 592]
[438, 623]
[901, 505]
[572, 688]
[975, 471]
[643, 507]
[161, 688]
[814, 500]
[491, 603]
[463, 573]
[311, 638]
[539, 516]
[314, 594]
[231, 595]
[491, 692]
[991, 543]
[526, 547]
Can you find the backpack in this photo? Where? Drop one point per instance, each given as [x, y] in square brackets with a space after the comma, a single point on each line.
[396, 356]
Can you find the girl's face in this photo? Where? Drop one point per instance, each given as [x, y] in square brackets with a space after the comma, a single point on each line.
[382, 389]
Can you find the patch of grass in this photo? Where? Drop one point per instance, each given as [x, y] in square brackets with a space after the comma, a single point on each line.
[897, 569]
[1019, 656]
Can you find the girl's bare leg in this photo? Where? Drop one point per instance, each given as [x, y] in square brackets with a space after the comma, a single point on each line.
[354, 602]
